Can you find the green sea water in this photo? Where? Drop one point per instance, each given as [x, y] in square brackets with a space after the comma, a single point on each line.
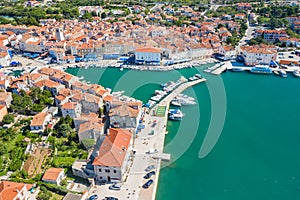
[257, 154]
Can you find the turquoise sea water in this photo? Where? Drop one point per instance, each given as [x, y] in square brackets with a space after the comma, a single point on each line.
[257, 154]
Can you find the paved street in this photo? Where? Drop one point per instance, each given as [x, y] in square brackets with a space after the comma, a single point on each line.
[132, 187]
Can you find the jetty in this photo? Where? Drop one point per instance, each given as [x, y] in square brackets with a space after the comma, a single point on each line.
[160, 113]
[222, 68]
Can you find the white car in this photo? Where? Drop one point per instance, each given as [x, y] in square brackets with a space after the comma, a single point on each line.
[151, 151]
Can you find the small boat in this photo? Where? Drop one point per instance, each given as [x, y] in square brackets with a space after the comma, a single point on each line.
[282, 73]
[296, 73]
[184, 96]
[191, 78]
[156, 98]
[163, 93]
[175, 114]
[175, 102]
[121, 69]
[237, 69]
[198, 76]
[276, 73]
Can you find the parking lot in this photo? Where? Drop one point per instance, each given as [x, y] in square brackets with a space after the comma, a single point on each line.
[288, 56]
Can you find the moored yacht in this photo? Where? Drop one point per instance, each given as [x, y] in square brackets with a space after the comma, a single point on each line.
[175, 114]
[175, 102]
[282, 73]
[296, 73]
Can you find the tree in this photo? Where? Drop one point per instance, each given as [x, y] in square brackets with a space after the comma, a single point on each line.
[9, 118]
[65, 130]
[44, 195]
[103, 15]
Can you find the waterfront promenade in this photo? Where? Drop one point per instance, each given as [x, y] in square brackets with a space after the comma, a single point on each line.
[132, 186]
[105, 64]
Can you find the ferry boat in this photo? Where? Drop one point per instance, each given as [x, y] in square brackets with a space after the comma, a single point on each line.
[261, 69]
[237, 69]
[296, 73]
[282, 73]
[175, 114]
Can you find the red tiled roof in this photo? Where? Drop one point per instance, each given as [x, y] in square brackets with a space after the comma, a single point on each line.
[9, 190]
[52, 174]
[149, 50]
[113, 149]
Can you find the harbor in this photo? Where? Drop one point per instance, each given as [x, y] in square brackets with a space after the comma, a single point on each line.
[28, 67]
[148, 144]
[221, 67]
[189, 167]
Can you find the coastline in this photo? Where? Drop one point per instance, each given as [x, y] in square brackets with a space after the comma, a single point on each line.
[113, 64]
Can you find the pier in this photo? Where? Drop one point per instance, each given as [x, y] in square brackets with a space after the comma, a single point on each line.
[222, 68]
[160, 136]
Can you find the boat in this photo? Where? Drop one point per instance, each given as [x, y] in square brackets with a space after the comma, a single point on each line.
[261, 69]
[175, 114]
[296, 73]
[163, 93]
[276, 73]
[282, 73]
[175, 102]
[192, 78]
[121, 69]
[198, 76]
[156, 98]
[184, 96]
[237, 69]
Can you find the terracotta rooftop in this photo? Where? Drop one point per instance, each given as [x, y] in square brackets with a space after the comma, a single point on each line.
[113, 149]
[9, 190]
[38, 119]
[148, 50]
[52, 174]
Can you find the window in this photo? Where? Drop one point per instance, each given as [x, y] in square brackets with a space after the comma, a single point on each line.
[115, 171]
[99, 170]
[100, 177]
[107, 170]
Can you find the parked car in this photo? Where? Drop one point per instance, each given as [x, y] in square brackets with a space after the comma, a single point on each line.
[93, 197]
[151, 151]
[147, 184]
[148, 175]
[111, 198]
[149, 168]
[115, 187]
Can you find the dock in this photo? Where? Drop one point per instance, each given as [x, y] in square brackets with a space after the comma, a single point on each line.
[222, 68]
[160, 137]
[162, 156]
[166, 100]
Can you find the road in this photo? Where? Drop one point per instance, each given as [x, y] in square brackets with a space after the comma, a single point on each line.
[132, 186]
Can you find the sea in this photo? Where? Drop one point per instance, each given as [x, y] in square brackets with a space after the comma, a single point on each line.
[239, 142]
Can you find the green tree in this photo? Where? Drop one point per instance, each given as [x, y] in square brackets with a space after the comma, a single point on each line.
[103, 15]
[9, 118]
[44, 195]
